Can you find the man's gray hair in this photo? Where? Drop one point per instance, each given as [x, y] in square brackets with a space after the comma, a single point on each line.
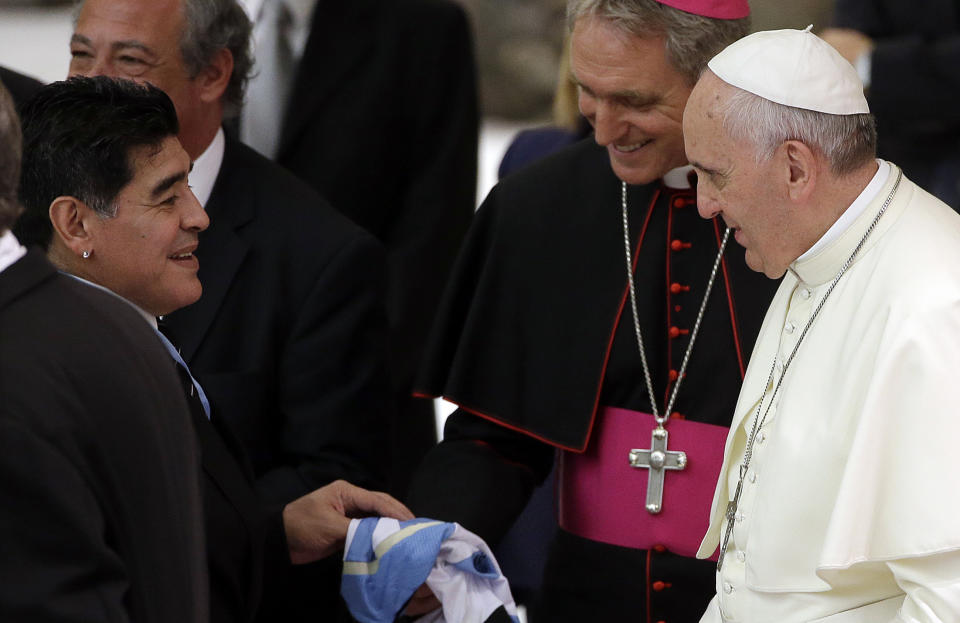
[690, 40]
[209, 26]
[846, 141]
[10, 143]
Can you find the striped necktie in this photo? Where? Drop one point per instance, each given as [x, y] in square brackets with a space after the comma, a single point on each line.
[183, 364]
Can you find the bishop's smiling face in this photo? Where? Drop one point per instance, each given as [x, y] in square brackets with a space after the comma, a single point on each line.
[632, 96]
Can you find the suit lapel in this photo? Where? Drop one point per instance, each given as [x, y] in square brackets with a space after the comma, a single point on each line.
[224, 471]
[221, 251]
[342, 36]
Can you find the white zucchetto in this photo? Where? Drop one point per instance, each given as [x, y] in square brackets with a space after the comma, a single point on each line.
[795, 68]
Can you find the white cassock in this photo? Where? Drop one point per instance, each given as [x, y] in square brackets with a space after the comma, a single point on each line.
[850, 510]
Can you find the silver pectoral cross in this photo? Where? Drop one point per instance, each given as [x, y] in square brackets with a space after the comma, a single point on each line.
[657, 459]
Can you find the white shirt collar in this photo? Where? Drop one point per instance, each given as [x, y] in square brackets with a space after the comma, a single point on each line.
[206, 168]
[151, 320]
[678, 178]
[301, 11]
[851, 213]
[10, 250]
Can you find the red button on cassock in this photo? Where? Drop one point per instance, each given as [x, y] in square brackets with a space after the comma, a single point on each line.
[673, 375]
[659, 548]
[677, 332]
[679, 245]
[677, 288]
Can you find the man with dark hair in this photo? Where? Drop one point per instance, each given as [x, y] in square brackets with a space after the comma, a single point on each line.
[569, 328]
[103, 166]
[289, 338]
[92, 416]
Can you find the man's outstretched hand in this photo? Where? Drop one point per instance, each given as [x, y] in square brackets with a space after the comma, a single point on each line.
[316, 524]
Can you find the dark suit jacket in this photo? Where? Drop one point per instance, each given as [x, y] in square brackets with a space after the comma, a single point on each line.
[99, 482]
[287, 339]
[21, 87]
[382, 120]
[246, 543]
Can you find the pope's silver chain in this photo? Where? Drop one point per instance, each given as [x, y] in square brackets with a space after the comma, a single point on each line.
[759, 421]
[661, 420]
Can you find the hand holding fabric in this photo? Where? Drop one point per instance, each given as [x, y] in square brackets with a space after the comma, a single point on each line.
[316, 524]
[422, 602]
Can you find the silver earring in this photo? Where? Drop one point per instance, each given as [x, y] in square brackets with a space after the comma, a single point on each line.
[85, 254]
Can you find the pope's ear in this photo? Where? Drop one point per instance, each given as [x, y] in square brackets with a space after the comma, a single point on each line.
[802, 169]
[70, 219]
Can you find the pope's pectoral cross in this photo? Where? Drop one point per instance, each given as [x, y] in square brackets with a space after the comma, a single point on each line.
[657, 459]
[731, 516]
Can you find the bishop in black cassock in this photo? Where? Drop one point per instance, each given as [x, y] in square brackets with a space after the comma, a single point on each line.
[536, 343]
[536, 338]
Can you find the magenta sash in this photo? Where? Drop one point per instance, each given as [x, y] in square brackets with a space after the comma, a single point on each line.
[603, 499]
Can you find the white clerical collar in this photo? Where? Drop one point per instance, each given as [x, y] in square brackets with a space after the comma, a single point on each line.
[851, 213]
[10, 250]
[678, 178]
[206, 168]
[301, 13]
[151, 320]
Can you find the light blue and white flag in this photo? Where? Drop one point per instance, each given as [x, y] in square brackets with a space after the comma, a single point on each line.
[385, 561]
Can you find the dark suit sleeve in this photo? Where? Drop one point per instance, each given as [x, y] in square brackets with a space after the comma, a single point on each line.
[481, 476]
[439, 185]
[914, 77]
[333, 390]
[56, 562]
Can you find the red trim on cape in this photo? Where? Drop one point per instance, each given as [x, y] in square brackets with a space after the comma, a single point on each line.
[666, 263]
[603, 371]
[647, 587]
[504, 423]
[733, 314]
[616, 320]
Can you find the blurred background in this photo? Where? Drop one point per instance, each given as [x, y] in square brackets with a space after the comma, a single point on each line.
[518, 46]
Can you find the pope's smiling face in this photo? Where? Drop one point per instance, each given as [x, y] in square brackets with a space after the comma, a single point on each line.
[632, 96]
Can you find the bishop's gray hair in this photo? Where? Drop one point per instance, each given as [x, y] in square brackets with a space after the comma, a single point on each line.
[209, 26]
[846, 141]
[691, 40]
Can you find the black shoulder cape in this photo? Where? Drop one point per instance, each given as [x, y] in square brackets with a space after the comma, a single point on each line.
[527, 322]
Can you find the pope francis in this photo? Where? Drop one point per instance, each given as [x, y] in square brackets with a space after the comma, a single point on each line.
[837, 500]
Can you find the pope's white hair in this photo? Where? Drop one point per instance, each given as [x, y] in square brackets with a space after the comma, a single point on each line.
[846, 141]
